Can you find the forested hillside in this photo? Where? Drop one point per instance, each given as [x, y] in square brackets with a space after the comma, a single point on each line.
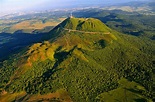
[83, 61]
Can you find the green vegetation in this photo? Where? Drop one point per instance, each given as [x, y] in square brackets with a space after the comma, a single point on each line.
[87, 24]
[7, 69]
[127, 91]
[87, 61]
[132, 23]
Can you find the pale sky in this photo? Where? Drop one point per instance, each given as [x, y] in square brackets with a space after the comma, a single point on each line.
[10, 6]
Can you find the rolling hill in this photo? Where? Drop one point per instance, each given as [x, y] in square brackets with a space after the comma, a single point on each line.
[83, 60]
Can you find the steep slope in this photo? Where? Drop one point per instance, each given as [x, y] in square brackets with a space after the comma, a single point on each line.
[85, 24]
[82, 60]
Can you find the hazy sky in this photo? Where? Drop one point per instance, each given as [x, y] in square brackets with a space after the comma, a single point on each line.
[9, 6]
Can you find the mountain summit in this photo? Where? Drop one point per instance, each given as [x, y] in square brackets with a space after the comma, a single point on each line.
[81, 26]
[84, 24]
[73, 34]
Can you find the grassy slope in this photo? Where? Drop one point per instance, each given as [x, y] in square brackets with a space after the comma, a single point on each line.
[85, 24]
[127, 91]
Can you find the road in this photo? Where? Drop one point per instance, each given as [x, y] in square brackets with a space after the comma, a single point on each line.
[80, 31]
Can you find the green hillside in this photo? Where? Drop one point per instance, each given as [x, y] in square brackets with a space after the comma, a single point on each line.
[126, 92]
[83, 61]
[85, 24]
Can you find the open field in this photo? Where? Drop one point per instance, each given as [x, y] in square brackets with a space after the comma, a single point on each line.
[29, 26]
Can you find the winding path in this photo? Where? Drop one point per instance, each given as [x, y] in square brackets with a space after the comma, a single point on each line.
[81, 31]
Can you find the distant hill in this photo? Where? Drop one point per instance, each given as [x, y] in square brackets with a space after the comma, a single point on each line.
[134, 6]
[83, 60]
[32, 24]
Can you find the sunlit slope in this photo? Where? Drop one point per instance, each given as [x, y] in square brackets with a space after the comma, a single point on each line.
[85, 24]
[126, 92]
[81, 60]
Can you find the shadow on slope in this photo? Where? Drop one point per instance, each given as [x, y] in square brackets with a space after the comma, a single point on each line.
[13, 43]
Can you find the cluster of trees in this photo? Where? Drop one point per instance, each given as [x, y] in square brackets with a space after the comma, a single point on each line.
[133, 64]
[7, 69]
[33, 79]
